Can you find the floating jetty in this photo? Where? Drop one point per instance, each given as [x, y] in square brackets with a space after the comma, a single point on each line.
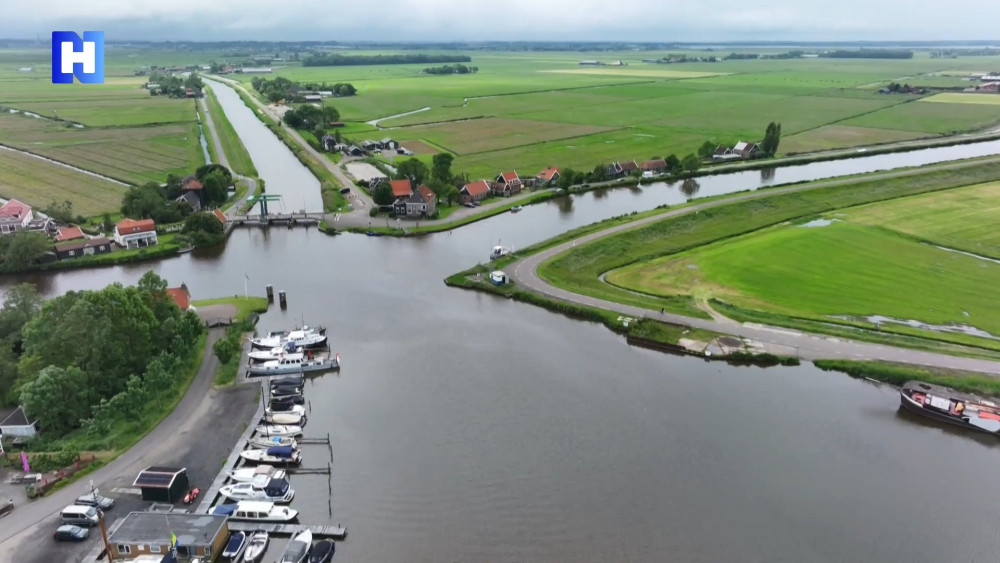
[335, 532]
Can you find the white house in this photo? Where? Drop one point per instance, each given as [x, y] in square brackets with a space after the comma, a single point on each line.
[17, 424]
[130, 233]
[14, 216]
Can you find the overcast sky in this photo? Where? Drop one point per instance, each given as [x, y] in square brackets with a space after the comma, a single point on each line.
[477, 20]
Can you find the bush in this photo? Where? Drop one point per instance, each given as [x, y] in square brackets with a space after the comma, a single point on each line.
[373, 212]
[225, 349]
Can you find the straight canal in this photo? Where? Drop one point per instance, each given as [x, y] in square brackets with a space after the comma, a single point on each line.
[466, 427]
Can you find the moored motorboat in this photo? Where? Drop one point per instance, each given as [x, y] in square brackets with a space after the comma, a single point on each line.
[305, 338]
[297, 410]
[275, 455]
[256, 546]
[256, 355]
[286, 393]
[247, 474]
[268, 441]
[279, 430]
[297, 549]
[256, 511]
[322, 552]
[285, 419]
[234, 548]
[277, 491]
[287, 382]
[516, 208]
[294, 363]
[944, 404]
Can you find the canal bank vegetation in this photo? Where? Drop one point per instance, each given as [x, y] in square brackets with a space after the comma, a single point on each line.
[213, 151]
[229, 348]
[72, 373]
[236, 153]
[580, 270]
[898, 374]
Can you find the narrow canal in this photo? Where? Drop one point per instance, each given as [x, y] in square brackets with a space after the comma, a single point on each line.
[467, 427]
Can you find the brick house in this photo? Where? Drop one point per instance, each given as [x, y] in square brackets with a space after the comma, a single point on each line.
[476, 191]
[548, 176]
[130, 233]
[507, 184]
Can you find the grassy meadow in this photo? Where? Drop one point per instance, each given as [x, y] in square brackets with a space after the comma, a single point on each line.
[121, 131]
[237, 155]
[526, 110]
[39, 183]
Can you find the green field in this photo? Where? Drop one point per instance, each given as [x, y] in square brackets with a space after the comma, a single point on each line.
[842, 269]
[39, 183]
[122, 131]
[524, 105]
[956, 98]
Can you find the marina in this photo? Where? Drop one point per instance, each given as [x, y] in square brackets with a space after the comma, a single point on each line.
[333, 532]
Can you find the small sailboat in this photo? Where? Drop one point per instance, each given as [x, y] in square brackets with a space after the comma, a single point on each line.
[247, 474]
[279, 430]
[322, 552]
[288, 419]
[297, 549]
[234, 548]
[499, 251]
[275, 455]
[256, 547]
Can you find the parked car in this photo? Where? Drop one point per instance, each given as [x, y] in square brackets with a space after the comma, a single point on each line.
[70, 533]
[469, 204]
[476, 203]
[95, 499]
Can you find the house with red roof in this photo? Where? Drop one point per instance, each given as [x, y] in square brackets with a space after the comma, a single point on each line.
[220, 216]
[131, 233]
[419, 205]
[401, 188]
[657, 166]
[181, 296]
[476, 191]
[507, 184]
[14, 216]
[548, 176]
[67, 234]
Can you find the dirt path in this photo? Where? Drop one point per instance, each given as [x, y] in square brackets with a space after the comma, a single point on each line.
[776, 339]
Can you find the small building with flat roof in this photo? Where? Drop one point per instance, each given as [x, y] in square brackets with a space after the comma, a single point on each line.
[162, 484]
[149, 533]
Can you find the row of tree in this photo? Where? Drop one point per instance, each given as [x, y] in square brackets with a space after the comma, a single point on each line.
[281, 88]
[452, 69]
[90, 357]
[868, 54]
[174, 86]
[158, 202]
[439, 178]
[363, 60]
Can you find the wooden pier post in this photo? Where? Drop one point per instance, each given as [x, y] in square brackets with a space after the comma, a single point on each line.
[281, 300]
[270, 293]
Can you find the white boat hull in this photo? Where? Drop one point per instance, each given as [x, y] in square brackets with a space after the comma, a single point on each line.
[261, 456]
[279, 430]
[285, 419]
[248, 474]
[276, 367]
[265, 442]
[256, 547]
[227, 492]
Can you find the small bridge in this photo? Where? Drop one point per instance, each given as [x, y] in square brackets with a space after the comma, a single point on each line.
[266, 218]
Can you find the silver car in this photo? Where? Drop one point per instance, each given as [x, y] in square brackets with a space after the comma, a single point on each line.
[95, 499]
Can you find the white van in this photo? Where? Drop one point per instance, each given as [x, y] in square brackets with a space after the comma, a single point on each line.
[79, 515]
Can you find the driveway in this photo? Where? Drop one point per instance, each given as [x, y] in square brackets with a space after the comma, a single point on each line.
[779, 340]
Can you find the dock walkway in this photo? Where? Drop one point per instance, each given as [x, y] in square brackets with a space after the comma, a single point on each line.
[336, 532]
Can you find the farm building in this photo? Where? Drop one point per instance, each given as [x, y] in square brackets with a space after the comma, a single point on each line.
[130, 233]
[476, 191]
[181, 296]
[190, 198]
[84, 247]
[253, 70]
[354, 150]
[67, 234]
[547, 176]
[618, 169]
[419, 204]
[162, 484]
[401, 188]
[723, 153]
[507, 184]
[220, 216]
[149, 533]
[746, 150]
[657, 166]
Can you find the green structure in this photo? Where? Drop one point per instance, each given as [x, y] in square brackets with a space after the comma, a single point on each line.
[263, 199]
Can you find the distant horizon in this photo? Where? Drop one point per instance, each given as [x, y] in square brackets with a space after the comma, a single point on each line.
[913, 43]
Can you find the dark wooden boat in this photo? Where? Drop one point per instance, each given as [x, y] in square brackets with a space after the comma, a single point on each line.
[944, 404]
[322, 551]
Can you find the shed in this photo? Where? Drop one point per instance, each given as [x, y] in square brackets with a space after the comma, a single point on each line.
[149, 533]
[16, 423]
[162, 484]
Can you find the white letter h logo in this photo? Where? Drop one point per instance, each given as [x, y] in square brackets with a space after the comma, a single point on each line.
[85, 57]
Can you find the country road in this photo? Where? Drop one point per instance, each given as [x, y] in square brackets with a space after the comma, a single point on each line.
[145, 451]
[234, 207]
[778, 340]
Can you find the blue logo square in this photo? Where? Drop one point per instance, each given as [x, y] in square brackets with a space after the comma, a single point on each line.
[72, 56]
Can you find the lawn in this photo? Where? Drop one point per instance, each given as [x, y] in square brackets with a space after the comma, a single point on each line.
[963, 218]
[484, 135]
[39, 183]
[956, 98]
[821, 272]
[840, 136]
[645, 73]
[232, 146]
[245, 306]
[941, 118]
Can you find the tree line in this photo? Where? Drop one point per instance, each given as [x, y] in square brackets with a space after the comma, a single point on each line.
[281, 88]
[439, 178]
[868, 54]
[92, 359]
[452, 69]
[359, 60]
[158, 202]
[174, 86]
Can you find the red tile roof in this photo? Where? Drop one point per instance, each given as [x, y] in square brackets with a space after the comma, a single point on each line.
[401, 188]
[549, 172]
[653, 164]
[220, 216]
[129, 226]
[69, 233]
[426, 193]
[14, 208]
[477, 188]
[509, 177]
[180, 296]
[628, 166]
[193, 184]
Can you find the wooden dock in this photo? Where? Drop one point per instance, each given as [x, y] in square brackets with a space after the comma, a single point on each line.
[335, 532]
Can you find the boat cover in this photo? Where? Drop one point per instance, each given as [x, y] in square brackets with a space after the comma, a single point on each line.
[281, 451]
[276, 487]
[226, 509]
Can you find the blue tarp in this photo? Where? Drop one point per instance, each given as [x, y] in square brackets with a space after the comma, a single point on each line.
[225, 509]
[281, 451]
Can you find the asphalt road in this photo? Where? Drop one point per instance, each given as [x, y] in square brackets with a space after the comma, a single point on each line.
[778, 340]
[143, 453]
